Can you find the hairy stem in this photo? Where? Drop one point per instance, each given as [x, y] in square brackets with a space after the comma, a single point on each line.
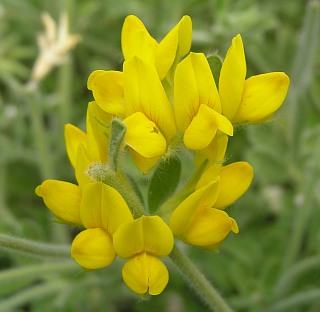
[198, 282]
[31, 248]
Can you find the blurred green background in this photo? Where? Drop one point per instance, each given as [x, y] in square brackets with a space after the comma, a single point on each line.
[273, 264]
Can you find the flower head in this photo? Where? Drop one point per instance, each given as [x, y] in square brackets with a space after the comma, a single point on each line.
[163, 94]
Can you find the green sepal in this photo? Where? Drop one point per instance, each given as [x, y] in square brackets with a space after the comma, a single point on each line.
[163, 183]
[215, 63]
[118, 131]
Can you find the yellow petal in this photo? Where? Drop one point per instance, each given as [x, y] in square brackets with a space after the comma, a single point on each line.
[145, 274]
[202, 129]
[148, 233]
[210, 174]
[234, 226]
[91, 77]
[232, 78]
[262, 96]
[174, 45]
[93, 249]
[102, 206]
[136, 40]
[98, 125]
[209, 227]
[193, 85]
[214, 152]
[107, 89]
[143, 92]
[143, 136]
[185, 35]
[82, 164]
[223, 124]
[235, 179]
[199, 200]
[62, 198]
[186, 94]
[208, 93]
[144, 164]
[204, 126]
[73, 137]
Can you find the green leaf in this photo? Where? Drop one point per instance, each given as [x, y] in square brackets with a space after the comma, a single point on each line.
[163, 183]
[215, 64]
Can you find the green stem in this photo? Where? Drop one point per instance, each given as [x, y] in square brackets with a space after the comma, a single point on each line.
[129, 195]
[33, 272]
[118, 131]
[118, 180]
[32, 248]
[198, 282]
[32, 293]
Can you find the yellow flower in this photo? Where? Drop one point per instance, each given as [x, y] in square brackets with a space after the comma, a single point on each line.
[197, 105]
[196, 222]
[83, 149]
[99, 208]
[102, 211]
[252, 100]
[142, 241]
[150, 121]
[136, 41]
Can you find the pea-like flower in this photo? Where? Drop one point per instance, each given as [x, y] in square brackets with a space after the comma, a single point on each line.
[136, 41]
[83, 149]
[197, 104]
[150, 121]
[196, 222]
[199, 220]
[251, 100]
[99, 208]
[143, 241]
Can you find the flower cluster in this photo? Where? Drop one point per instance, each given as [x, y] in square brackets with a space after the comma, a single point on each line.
[164, 102]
